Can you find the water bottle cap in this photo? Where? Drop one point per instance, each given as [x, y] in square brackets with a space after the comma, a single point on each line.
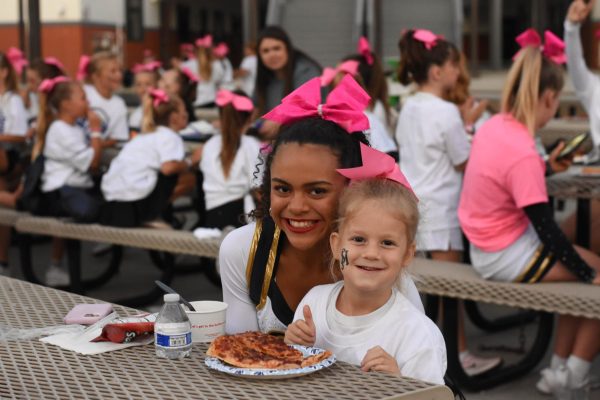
[171, 298]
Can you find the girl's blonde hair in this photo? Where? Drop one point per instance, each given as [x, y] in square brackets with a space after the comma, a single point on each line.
[96, 63]
[205, 59]
[530, 75]
[154, 116]
[49, 107]
[393, 197]
[232, 123]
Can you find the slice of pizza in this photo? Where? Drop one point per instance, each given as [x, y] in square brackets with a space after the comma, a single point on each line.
[270, 345]
[315, 359]
[235, 350]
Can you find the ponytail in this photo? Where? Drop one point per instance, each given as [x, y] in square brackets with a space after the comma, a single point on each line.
[530, 75]
[232, 123]
[155, 115]
[205, 59]
[49, 107]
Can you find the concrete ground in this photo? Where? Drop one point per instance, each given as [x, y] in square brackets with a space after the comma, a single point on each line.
[137, 274]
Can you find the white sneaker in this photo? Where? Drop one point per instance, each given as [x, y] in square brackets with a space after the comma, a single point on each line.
[474, 365]
[558, 381]
[56, 276]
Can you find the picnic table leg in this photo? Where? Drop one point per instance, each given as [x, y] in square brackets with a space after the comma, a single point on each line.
[74, 263]
[498, 324]
[25, 258]
[113, 268]
[168, 272]
[432, 307]
[496, 376]
[582, 234]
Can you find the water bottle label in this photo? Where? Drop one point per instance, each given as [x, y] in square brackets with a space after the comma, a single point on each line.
[173, 341]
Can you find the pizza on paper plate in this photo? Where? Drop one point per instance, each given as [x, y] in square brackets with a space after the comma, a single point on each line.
[258, 350]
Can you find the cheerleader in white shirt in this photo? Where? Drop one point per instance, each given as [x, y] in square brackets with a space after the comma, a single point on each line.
[142, 179]
[365, 319]
[229, 162]
[209, 70]
[103, 76]
[181, 83]
[145, 79]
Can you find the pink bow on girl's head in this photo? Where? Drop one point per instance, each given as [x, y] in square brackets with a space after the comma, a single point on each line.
[348, 67]
[240, 103]
[17, 59]
[82, 69]
[553, 49]
[376, 164]
[159, 97]
[428, 38]
[364, 49]
[205, 41]
[55, 62]
[345, 105]
[148, 67]
[48, 85]
[189, 74]
[221, 50]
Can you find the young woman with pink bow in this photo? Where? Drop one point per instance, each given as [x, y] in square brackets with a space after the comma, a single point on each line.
[504, 209]
[364, 318]
[268, 266]
[143, 179]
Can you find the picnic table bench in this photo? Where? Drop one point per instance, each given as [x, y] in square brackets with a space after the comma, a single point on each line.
[454, 281]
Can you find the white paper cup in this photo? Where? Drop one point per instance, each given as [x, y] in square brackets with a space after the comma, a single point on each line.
[208, 321]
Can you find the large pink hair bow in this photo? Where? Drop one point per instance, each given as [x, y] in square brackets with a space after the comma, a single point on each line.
[148, 67]
[17, 59]
[376, 164]
[48, 85]
[55, 62]
[345, 105]
[205, 41]
[159, 97]
[553, 48]
[240, 103]
[428, 38]
[189, 74]
[364, 49]
[348, 67]
[221, 50]
[82, 69]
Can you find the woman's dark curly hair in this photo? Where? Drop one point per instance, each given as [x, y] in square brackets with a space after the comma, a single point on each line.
[311, 131]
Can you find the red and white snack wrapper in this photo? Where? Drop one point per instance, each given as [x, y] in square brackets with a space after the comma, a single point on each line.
[126, 330]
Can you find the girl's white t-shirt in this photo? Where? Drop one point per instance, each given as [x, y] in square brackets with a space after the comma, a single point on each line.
[206, 91]
[379, 137]
[242, 315]
[112, 111]
[13, 116]
[249, 64]
[432, 141]
[219, 190]
[135, 118]
[134, 172]
[68, 157]
[398, 327]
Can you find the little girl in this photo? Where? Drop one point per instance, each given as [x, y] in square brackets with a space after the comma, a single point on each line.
[504, 209]
[103, 75]
[181, 83]
[146, 78]
[365, 319]
[434, 149]
[142, 179]
[35, 73]
[229, 162]
[210, 72]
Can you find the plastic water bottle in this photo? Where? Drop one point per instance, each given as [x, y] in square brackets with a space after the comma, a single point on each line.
[172, 330]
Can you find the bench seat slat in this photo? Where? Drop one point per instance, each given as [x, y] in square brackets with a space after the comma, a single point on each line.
[462, 282]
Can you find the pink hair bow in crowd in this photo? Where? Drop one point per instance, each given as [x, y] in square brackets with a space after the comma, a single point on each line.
[221, 50]
[82, 69]
[159, 97]
[345, 105]
[348, 67]
[189, 74]
[55, 62]
[428, 38]
[148, 67]
[205, 41]
[17, 59]
[240, 103]
[376, 164]
[48, 85]
[553, 48]
[364, 49]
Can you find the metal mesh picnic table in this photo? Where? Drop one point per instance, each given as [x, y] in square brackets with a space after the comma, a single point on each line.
[32, 369]
[574, 186]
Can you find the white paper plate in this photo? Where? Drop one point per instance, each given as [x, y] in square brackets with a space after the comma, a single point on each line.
[216, 364]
